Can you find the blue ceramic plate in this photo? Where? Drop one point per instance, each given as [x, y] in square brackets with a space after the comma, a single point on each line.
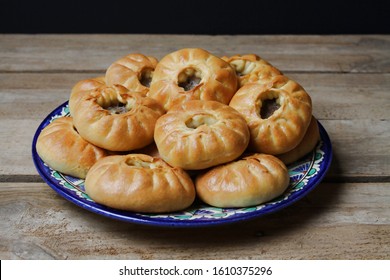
[305, 174]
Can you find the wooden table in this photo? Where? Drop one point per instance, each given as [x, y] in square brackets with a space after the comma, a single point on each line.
[346, 217]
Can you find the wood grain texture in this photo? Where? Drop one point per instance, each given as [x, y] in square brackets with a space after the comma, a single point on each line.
[345, 217]
[68, 53]
[335, 221]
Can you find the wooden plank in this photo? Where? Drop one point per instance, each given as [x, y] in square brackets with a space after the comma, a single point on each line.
[36, 95]
[347, 96]
[334, 221]
[307, 53]
[356, 118]
[334, 96]
[361, 149]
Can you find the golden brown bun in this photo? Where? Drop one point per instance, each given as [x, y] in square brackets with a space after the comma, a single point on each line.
[62, 148]
[251, 68]
[82, 88]
[192, 74]
[199, 134]
[115, 119]
[133, 71]
[247, 182]
[284, 129]
[308, 143]
[139, 183]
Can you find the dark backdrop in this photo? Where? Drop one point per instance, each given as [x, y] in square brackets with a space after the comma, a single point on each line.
[195, 17]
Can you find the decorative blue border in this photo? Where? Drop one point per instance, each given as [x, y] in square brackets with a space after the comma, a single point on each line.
[314, 167]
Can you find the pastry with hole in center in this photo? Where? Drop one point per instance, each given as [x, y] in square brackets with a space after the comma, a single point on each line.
[116, 119]
[278, 114]
[133, 71]
[251, 68]
[61, 147]
[82, 88]
[199, 134]
[249, 181]
[192, 74]
[139, 183]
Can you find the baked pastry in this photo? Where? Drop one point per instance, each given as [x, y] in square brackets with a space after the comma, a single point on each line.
[199, 134]
[250, 181]
[277, 113]
[139, 183]
[308, 143]
[82, 88]
[115, 119]
[62, 148]
[192, 74]
[133, 71]
[251, 68]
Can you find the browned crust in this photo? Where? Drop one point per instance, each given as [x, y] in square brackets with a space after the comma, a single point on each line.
[207, 145]
[64, 150]
[253, 180]
[139, 183]
[218, 80]
[131, 130]
[128, 70]
[285, 128]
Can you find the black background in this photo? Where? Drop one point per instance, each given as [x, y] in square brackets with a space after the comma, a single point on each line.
[195, 17]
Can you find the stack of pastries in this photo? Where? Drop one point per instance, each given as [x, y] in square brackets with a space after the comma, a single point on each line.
[150, 136]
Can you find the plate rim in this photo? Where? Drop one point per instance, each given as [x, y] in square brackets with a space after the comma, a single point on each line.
[139, 218]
